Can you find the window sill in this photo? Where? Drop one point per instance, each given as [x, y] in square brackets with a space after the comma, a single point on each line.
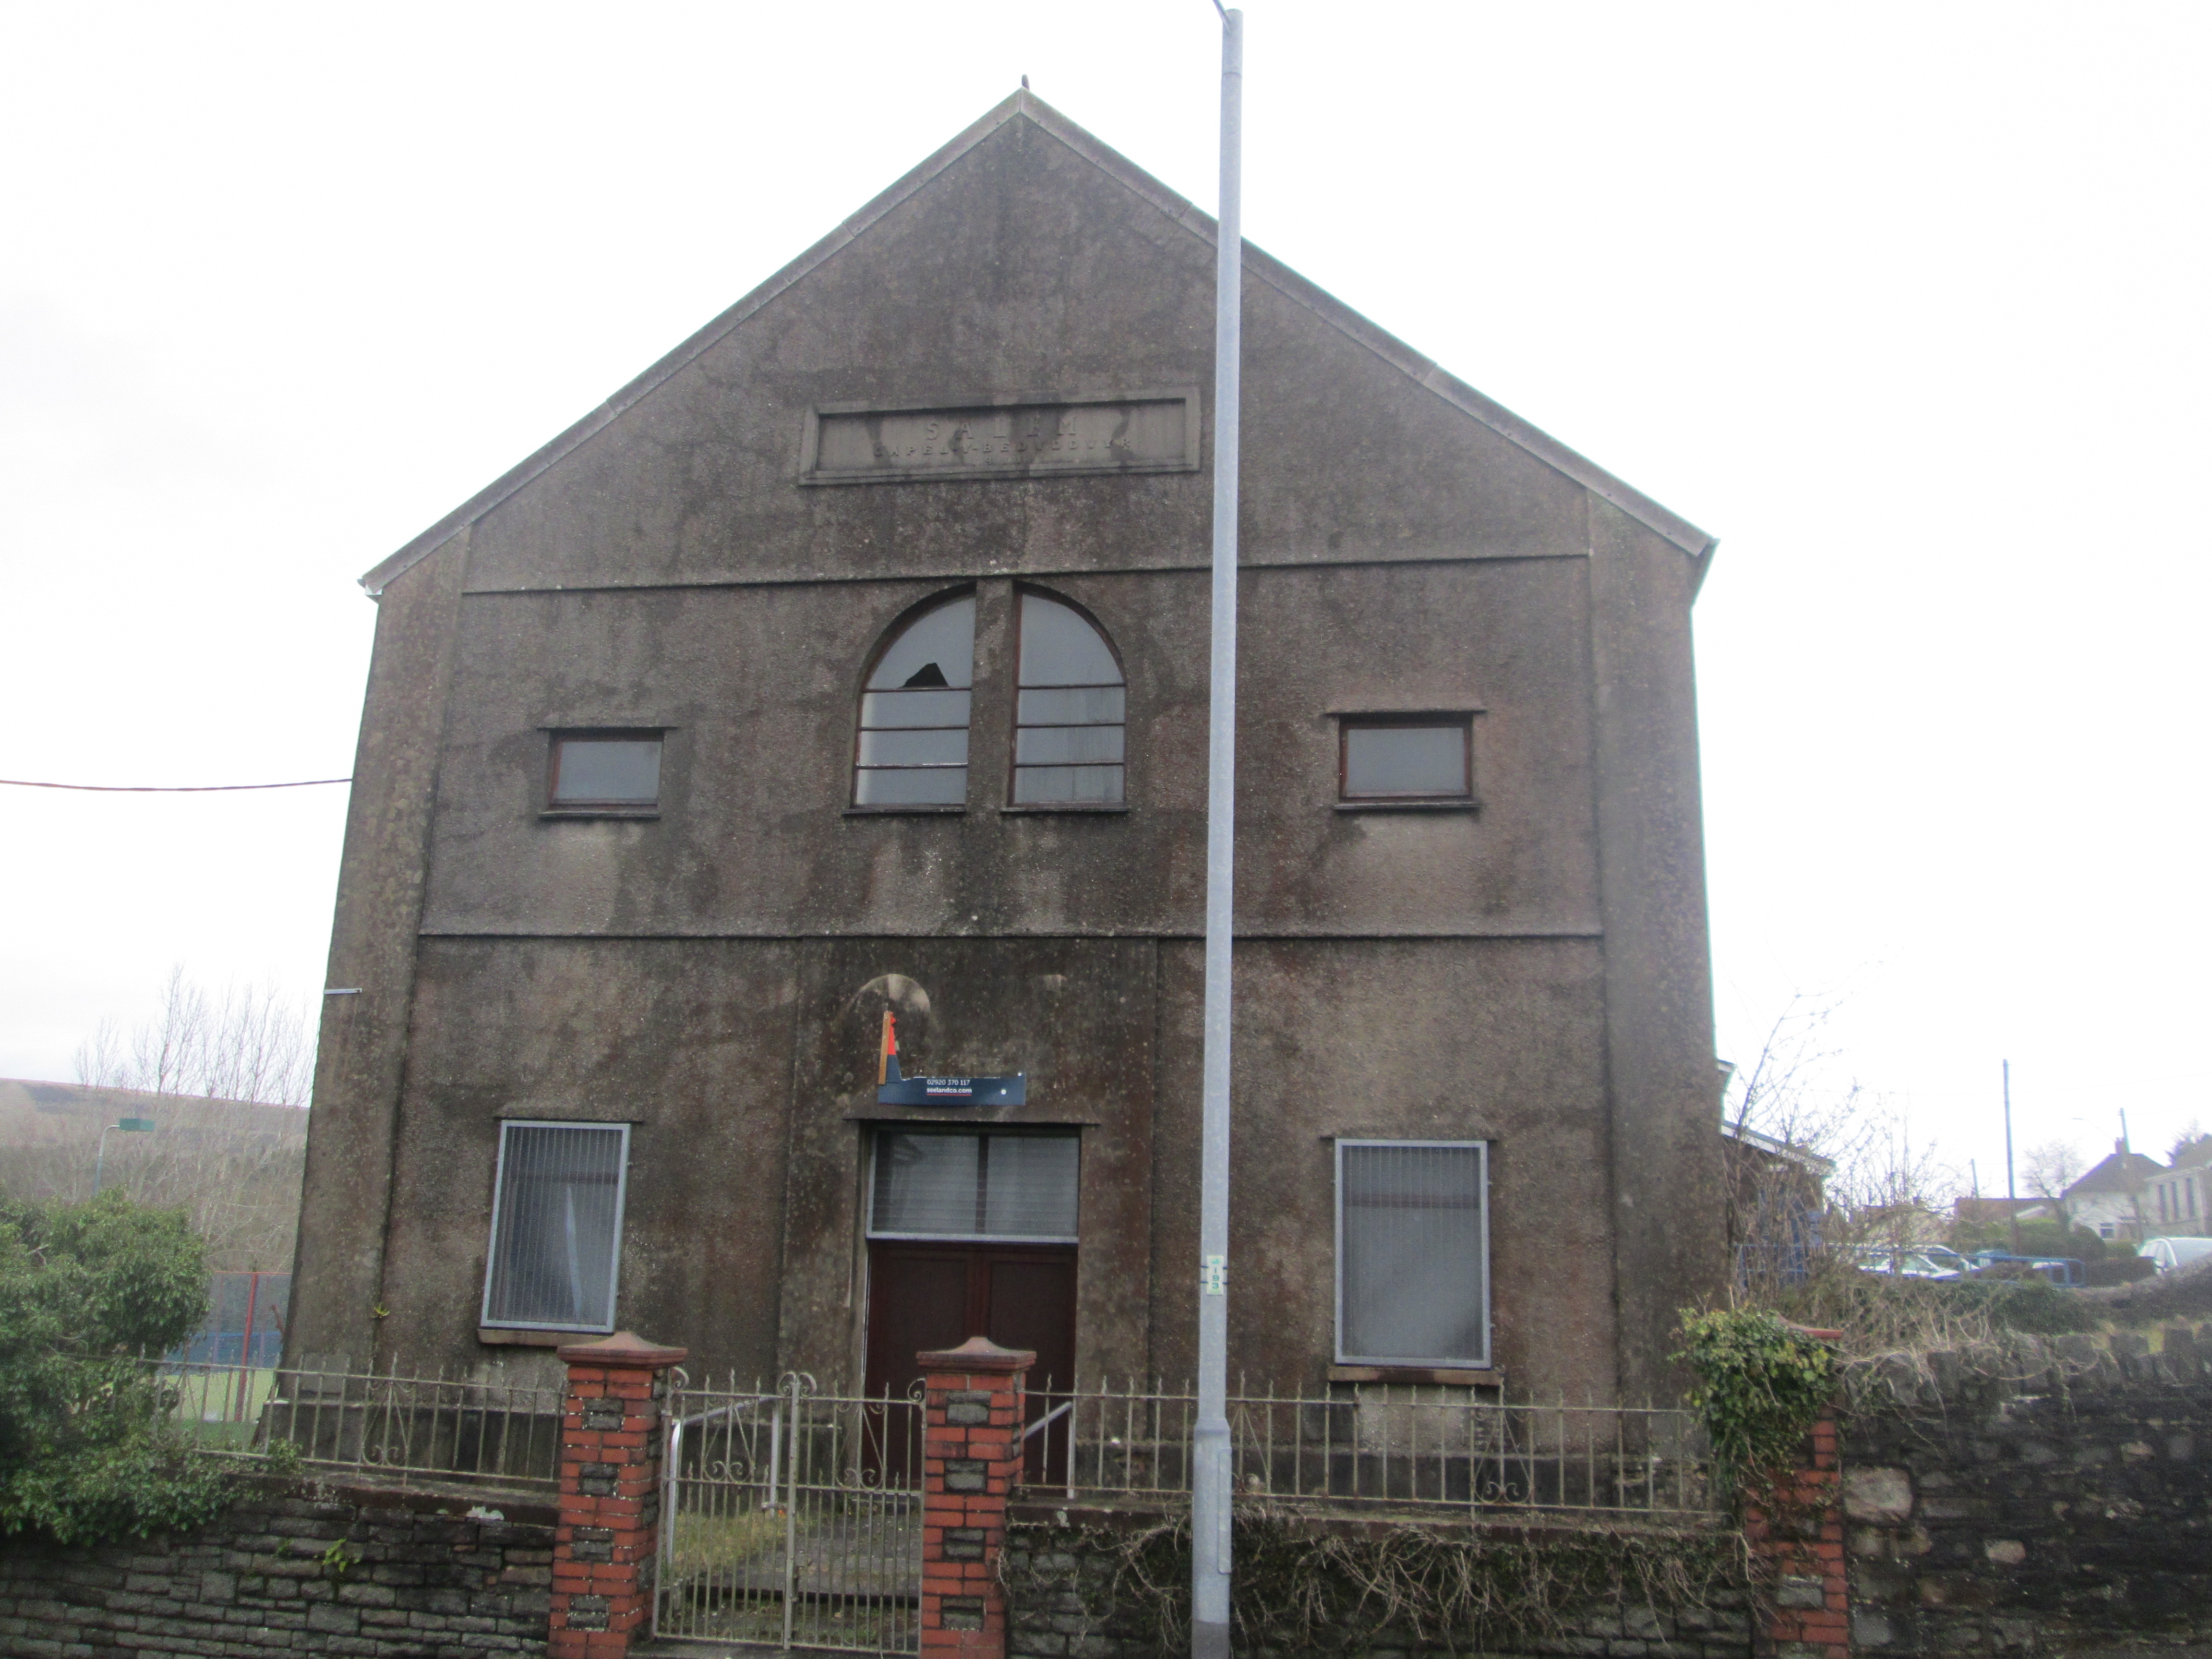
[598, 812]
[917, 810]
[501, 1336]
[1460, 1375]
[1036, 808]
[1461, 805]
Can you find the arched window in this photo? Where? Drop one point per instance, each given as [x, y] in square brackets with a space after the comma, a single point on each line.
[914, 715]
[1069, 712]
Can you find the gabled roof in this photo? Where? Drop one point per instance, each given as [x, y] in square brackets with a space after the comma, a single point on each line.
[2119, 1172]
[1778, 1148]
[1025, 106]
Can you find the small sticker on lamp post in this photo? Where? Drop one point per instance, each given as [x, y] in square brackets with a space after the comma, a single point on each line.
[1214, 1276]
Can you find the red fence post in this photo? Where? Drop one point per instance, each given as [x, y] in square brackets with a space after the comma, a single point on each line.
[610, 1531]
[1801, 1549]
[971, 1456]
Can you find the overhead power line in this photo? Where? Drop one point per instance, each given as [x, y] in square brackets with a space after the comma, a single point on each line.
[168, 788]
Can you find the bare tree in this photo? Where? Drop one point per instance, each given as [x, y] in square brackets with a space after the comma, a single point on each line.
[247, 1044]
[1817, 1165]
[2049, 1169]
[223, 1076]
[1886, 1190]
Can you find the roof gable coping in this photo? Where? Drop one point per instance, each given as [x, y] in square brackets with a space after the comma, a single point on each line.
[1027, 105]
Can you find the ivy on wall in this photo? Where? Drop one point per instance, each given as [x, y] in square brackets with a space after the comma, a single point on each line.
[1762, 1384]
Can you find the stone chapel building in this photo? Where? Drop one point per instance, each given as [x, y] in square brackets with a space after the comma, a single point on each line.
[854, 657]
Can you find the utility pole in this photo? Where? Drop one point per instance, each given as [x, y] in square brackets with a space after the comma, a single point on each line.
[2012, 1193]
[1210, 1448]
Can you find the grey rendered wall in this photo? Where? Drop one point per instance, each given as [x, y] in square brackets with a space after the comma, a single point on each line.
[1669, 1243]
[1501, 972]
[344, 1209]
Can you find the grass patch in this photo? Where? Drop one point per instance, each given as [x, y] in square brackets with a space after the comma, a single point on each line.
[214, 1407]
[710, 1543]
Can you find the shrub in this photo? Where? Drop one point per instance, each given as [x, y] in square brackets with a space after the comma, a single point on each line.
[2036, 1238]
[2033, 1305]
[85, 1451]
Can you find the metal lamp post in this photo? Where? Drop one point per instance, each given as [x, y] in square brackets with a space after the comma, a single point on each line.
[1210, 1446]
[135, 1126]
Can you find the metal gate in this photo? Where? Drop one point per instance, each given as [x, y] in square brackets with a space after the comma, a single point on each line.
[792, 1518]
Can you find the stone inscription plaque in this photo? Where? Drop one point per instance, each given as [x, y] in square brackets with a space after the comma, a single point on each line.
[1012, 438]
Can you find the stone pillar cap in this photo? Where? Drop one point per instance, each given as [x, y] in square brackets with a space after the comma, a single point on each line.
[624, 1348]
[977, 1353]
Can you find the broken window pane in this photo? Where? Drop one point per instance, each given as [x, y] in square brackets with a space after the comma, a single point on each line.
[913, 747]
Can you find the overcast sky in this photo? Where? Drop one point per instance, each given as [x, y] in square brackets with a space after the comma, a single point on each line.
[1905, 303]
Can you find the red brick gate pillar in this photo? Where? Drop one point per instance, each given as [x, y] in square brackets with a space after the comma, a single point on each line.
[603, 1551]
[1801, 1549]
[971, 1451]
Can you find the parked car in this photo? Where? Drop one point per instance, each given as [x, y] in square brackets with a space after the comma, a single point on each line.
[1911, 1261]
[2063, 1270]
[2171, 1253]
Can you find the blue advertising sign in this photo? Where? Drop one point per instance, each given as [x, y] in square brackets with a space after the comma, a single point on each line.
[893, 1090]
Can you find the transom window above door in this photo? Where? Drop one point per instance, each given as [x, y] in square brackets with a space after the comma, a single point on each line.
[1070, 711]
[954, 1185]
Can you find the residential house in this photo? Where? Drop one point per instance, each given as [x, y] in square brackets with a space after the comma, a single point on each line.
[2114, 1200]
[2177, 1204]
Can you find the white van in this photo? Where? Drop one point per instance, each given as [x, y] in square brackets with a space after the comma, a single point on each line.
[2172, 1253]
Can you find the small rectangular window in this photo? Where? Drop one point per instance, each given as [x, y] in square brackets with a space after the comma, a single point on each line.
[556, 1226]
[616, 770]
[975, 1186]
[1427, 758]
[1412, 1252]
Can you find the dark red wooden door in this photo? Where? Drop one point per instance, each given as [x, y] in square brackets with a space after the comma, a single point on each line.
[936, 1296]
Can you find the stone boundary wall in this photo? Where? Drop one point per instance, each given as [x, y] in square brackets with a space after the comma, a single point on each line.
[2067, 1512]
[1060, 1573]
[431, 1576]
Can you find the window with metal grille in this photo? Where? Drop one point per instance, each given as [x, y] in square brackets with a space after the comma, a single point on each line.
[1412, 1252]
[556, 1226]
[913, 747]
[613, 770]
[1407, 758]
[975, 1186]
[1070, 709]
